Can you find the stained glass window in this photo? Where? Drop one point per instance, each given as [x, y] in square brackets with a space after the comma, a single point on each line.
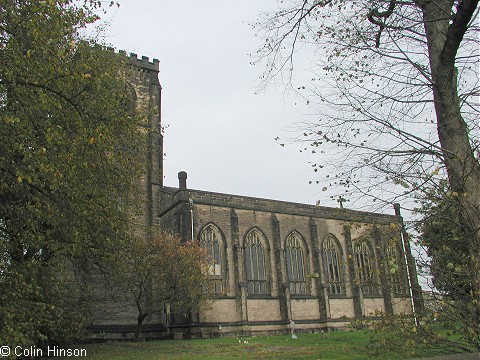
[255, 264]
[364, 267]
[394, 268]
[209, 240]
[332, 266]
[295, 265]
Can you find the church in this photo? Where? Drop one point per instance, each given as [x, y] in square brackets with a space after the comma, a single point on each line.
[271, 261]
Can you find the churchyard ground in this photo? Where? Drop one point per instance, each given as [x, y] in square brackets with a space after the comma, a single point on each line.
[327, 345]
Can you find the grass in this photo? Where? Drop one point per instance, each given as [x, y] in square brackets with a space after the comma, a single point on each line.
[332, 345]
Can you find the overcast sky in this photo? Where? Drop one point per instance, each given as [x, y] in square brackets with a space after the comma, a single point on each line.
[218, 129]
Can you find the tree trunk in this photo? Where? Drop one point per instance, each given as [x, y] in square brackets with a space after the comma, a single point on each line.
[444, 36]
[140, 319]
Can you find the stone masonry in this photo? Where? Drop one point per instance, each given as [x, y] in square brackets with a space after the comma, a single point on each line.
[273, 260]
[235, 312]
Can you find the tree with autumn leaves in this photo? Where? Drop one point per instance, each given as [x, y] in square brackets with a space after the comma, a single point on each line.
[69, 151]
[71, 156]
[162, 275]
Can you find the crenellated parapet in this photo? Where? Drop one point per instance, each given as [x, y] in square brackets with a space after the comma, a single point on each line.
[133, 59]
[143, 67]
[144, 62]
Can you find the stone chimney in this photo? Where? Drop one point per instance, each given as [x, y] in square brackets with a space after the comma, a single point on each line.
[182, 180]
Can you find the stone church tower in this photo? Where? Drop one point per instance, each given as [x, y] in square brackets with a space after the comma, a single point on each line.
[113, 315]
[271, 260]
[145, 84]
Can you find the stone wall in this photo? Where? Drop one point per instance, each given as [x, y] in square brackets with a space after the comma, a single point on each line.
[262, 310]
[304, 309]
[341, 308]
[184, 210]
[221, 311]
[114, 314]
[234, 311]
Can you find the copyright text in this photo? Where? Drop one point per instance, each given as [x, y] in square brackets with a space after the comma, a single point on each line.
[33, 351]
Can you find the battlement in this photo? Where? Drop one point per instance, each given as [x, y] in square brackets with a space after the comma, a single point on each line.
[144, 62]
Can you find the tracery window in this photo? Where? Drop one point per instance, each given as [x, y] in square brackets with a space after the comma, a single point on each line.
[394, 268]
[210, 240]
[295, 265]
[255, 264]
[332, 266]
[364, 267]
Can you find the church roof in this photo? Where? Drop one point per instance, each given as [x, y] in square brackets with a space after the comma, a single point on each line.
[201, 197]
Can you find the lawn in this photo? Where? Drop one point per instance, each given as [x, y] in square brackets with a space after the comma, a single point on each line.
[331, 345]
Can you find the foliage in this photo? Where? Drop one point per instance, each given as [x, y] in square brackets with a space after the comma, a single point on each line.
[445, 238]
[452, 294]
[432, 336]
[68, 145]
[163, 274]
[395, 88]
[38, 308]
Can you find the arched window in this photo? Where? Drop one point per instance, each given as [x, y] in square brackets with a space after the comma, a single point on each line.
[332, 266]
[295, 265]
[210, 240]
[394, 261]
[255, 264]
[364, 267]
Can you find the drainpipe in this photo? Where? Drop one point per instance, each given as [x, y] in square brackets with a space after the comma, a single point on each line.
[190, 202]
